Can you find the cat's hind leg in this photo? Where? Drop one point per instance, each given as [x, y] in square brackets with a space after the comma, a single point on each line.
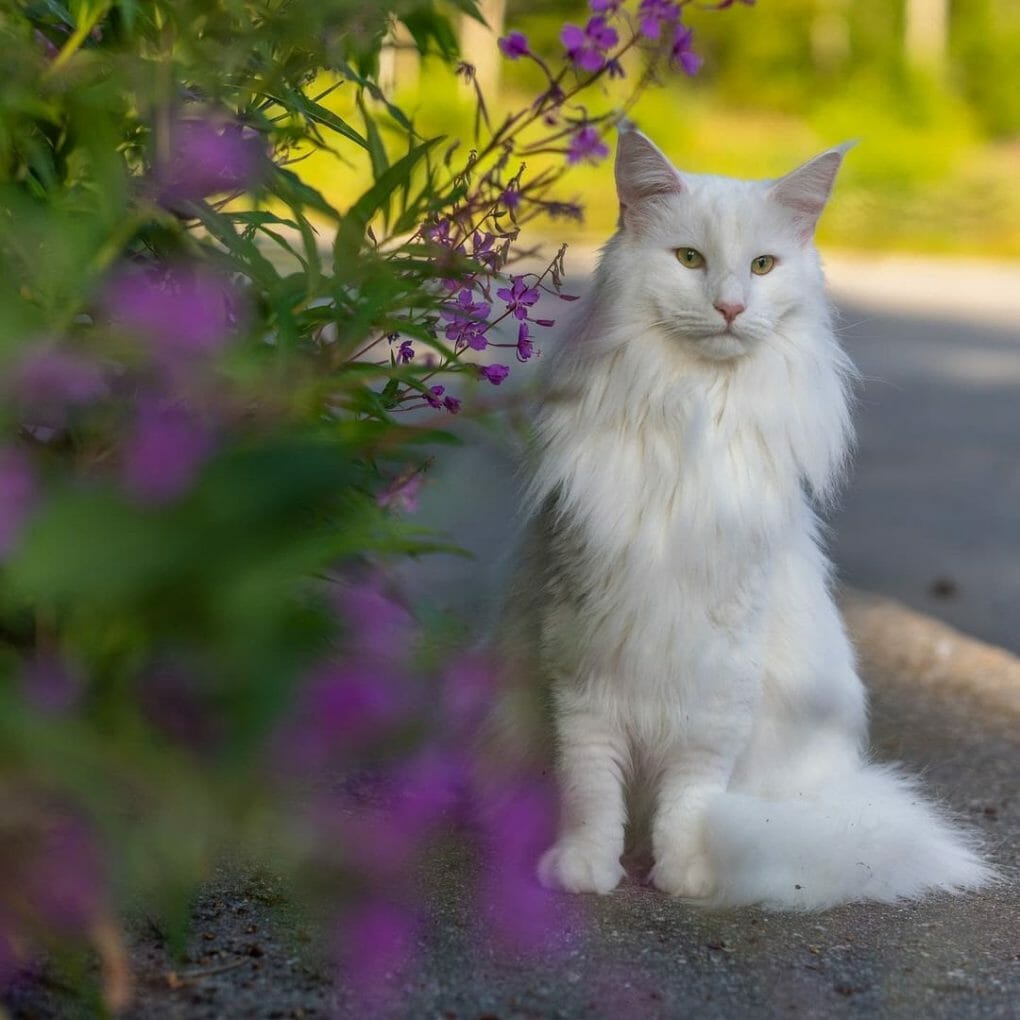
[591, 763]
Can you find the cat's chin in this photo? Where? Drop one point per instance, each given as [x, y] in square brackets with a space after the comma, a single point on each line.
[723, 347]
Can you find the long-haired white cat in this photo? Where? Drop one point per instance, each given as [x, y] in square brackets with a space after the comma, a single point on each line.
[673, 597]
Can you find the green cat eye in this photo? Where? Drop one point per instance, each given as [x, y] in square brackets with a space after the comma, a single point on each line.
[690, 258]
[762, 264]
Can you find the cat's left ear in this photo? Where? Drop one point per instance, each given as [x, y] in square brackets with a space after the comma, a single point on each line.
[805, 191]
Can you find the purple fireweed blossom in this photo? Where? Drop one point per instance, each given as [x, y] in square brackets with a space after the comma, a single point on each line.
[586, 47]
[402, 493]
[49, 381]
[18, 493]
[525, 345]
[604, 6]
[483, 250]
[379, 629]
[494, 373]
[50, 683]
[375, 944]
[405, 352]
[519, 297]
[586, 145]
[434, 396]
[517, 824]
[681, 53]
[653, 14]
[341, 710]
[164, 453]
[511, 199]
[514, 45]
[64, 879]
[207, 158]
[468, 321]
[452, 404]
[182, 313]
[438, 233]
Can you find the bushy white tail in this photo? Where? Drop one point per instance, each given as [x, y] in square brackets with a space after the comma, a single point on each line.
[867, 836]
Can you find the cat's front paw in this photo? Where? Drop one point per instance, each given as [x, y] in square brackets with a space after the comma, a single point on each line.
[690, 876]
[579, 866]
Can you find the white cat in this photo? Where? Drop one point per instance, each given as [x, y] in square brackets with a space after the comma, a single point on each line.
[673, 596]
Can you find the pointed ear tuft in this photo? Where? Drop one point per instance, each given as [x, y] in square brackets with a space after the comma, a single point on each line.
[642, 170]
[806, 189]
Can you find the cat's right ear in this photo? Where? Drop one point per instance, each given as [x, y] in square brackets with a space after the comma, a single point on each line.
[642, 171]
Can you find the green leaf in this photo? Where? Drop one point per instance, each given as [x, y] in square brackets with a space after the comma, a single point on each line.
[352, 230]
[292, 99]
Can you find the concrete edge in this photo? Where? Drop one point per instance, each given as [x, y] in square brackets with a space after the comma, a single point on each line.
[897, 642]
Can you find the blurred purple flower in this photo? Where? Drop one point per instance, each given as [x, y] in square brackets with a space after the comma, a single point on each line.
[519, 297]
[514, 45]
[511, 198]
[586, 145]
[438, 233]
[50, 683]
[430, 788]
[586, 48]
[433, 396]
[341, 709]
[64, 879]
[17, 495]
[208, 157]
[468, 321]
[494, 373]
[375, 945]
[164, 452]
[172, 698]
[681, 53]
[452, 404]
[653, 14]
[483, 250]
[405, 353]
[402, 493]
[525, 346]
[604, 6]
[182, 312]
[517, 824]
[468, 691]
[379, 628]
[48, 381]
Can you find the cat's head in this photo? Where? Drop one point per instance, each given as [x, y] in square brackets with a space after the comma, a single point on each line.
[714, 261]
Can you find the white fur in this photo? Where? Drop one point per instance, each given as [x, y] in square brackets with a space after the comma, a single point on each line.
[674, 596]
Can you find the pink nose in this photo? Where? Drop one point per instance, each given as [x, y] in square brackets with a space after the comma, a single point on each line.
[729, 311]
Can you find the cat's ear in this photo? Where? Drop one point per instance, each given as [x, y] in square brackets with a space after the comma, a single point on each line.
[642, 171]
[805, 191]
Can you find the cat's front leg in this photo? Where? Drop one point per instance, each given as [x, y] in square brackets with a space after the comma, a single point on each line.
[590, 772]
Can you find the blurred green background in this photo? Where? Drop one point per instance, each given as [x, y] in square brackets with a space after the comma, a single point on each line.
[929, 88]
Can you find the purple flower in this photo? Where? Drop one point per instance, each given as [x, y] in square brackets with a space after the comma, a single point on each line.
[402, 493]
[681, 53]
[183, 313]
[64, 883]
[519, 297]
[586, 145]
[494, 373]
[341, 710]
[514, 45]
[164, 453]
[652, 14]
[511, 198]
[375, 943]
[586, 48]
[452, 404]
[525, 346]
[379, 628]
[468, 321]
[604, 6]
[50, 684]
[483, 250]
[17, 496]
[433, 396]
[517, 825]
[405, 353]
[207, 158]
[438, 233]
[49, 381]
